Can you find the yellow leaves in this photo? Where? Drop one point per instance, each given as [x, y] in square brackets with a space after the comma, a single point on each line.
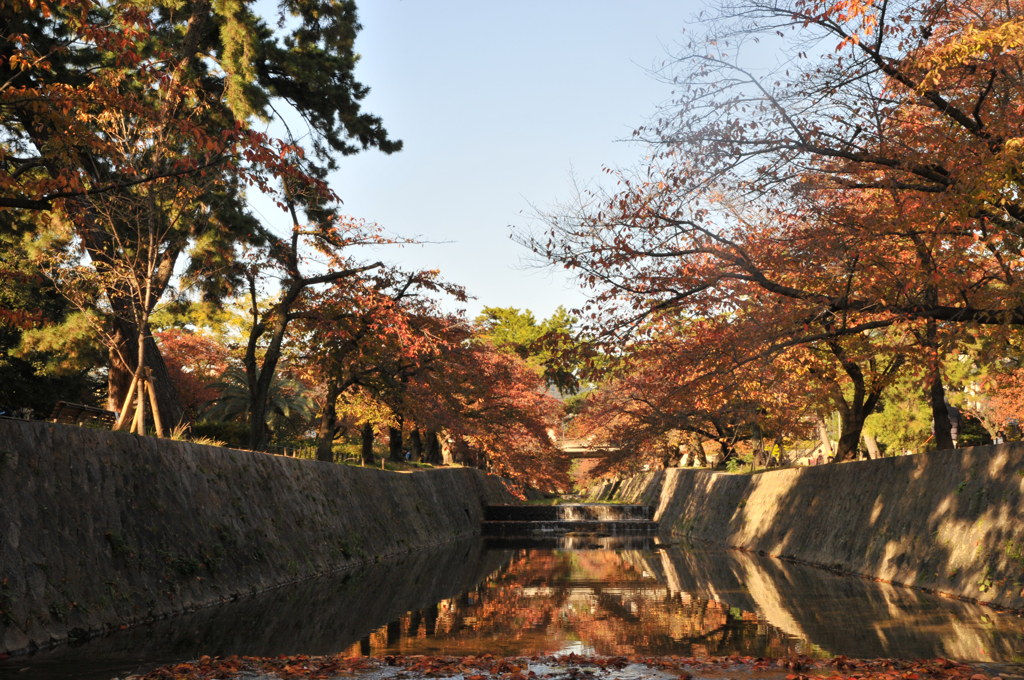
[971, 45]
[18, 62]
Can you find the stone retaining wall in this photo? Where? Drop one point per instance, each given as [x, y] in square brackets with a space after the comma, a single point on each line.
[950, 521]
[101, 530]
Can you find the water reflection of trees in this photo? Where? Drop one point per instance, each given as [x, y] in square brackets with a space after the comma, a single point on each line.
[603, 602]
[461, 600]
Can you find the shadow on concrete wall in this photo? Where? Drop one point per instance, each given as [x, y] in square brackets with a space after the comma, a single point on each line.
[950, 521]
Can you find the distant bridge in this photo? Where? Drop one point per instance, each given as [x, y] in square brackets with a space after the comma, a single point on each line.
[581, 448]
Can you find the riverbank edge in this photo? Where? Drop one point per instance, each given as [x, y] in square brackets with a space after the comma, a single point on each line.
[102, 530]
[950, 522]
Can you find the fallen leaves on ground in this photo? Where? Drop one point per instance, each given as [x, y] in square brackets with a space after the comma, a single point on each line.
[569, 667]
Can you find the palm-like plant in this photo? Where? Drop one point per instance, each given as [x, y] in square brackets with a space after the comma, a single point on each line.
[289, 400]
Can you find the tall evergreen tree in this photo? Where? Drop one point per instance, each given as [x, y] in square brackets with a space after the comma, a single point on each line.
[134, 124]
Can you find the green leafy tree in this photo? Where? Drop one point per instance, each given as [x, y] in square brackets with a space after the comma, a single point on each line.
[48, 351]
[156, 99]
[904, 422]
[550, 346]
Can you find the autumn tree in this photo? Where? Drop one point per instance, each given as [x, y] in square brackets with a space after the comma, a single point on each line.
[188, 82]
[872, 186]
[330, 236]
[195, 362]
[689, 384]
[387, 356]
[372, 333]
[983, 373]
[492, 408]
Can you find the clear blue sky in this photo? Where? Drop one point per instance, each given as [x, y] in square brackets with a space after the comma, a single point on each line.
[499, 106]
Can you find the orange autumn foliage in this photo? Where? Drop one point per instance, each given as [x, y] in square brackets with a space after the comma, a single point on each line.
[865, 203]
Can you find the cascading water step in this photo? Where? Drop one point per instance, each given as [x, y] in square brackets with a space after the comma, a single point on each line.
[606, 512]
[574, 542]
[559, 520]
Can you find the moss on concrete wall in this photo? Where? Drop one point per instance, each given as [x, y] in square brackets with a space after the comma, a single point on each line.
[101, 529]
[950, 521]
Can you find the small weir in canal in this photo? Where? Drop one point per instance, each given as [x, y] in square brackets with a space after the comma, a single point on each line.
[598, 519]
[613, 595]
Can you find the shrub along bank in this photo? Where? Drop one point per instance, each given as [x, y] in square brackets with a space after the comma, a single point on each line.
[101, 529]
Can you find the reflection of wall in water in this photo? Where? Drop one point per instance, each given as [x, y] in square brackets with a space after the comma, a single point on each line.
[845, 615]
[319, 616]
[668, 601]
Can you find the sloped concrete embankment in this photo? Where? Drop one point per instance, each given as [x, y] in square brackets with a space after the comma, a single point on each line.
[949, 521]
[101, 529]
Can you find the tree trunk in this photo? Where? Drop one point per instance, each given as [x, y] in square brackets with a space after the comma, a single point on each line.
[328, 424]
[122, 367]
[940, 413]
[367, 444]
[727, 452]
[760, 454]
[121, 372]
[259, 434]
[260, 374]
[871, 444]
[726, 436]
[395, 443]
[864, 393]
[447, 454]
[700, 455]
[416, 443]
[433, 449]
[848, 441]
[936, 392]
[852, 423]
[826, 443]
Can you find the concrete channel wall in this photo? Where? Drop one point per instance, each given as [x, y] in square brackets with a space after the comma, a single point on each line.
[100, 530]
[949, 521]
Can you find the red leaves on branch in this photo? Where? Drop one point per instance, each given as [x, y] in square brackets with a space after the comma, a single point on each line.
[494, 409]
[194, 363]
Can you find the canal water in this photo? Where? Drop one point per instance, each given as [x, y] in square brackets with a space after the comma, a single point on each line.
[602, 596]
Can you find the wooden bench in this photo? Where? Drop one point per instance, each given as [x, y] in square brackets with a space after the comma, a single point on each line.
[80, 414]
